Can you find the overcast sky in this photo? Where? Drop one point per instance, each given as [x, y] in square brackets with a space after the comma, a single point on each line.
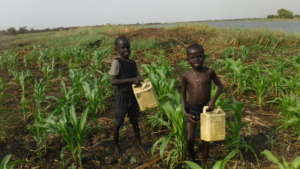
[56, 13]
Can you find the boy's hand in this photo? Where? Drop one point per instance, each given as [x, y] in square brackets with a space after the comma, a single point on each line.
[138, 80]
[211, 107]
[191, 118]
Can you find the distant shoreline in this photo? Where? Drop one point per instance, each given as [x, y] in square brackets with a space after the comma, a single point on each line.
[179, 22]
[216, 20]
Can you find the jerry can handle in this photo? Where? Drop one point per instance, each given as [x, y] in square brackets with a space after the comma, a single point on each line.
[218, 110]
[146, 84]
[205, 109]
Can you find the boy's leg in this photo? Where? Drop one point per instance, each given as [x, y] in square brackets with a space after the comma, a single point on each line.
[191, 138]
[118, 125]
[119, 116]
[133, 115]
[136, 129]
[205, 151]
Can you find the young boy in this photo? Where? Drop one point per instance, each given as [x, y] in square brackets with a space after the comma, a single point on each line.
[124, 74]
[196, 89]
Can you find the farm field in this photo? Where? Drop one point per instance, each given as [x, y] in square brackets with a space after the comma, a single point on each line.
[57, 102]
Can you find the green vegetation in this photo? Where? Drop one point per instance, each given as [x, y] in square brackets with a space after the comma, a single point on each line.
[220, 164]
[282, 164]
[7, 163]
[71, 128]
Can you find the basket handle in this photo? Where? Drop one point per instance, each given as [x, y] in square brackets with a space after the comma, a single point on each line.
[217, 111]
[146, 84]
[205, 109]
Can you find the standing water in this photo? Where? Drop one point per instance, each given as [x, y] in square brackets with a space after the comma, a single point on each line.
[283, 26]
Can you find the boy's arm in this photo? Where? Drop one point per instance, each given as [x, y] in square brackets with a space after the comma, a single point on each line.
[114, 71]
[219, 85]
[183, 93]
[116, 81]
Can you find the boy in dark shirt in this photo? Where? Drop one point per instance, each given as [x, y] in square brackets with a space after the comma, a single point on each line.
[124, 74]
[196, 89]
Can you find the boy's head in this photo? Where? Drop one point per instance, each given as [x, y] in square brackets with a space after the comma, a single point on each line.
[195, 55]
[122, 45]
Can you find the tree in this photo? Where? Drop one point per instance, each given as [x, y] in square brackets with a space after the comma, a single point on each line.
[23, 29]
[284, 13]
[11, 30]
[272, 16]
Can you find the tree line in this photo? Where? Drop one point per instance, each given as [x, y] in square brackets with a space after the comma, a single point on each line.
[283, 13]
[24, 29]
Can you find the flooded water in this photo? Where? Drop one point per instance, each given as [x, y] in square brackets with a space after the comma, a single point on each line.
[283, 26]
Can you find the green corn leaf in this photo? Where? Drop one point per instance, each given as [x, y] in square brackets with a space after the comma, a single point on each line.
[272, 158]
[73, 115]
[83, 119]
[296, 163]
[5, 160]
[155, 145]
[192, 165]
[221, 164]
[163, 145]
[285, 164]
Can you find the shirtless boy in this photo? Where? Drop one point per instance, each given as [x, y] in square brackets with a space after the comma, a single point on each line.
[196, 89]
[124, 74]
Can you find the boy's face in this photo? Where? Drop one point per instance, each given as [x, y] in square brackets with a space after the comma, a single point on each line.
[195, 58]
[123, 48]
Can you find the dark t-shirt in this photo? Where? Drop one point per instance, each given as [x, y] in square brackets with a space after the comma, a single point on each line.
[123, 68]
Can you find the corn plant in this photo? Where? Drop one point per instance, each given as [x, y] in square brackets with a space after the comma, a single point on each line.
[21, 78]
[48, 69]
[237, 71]
[69, 97]
[229, 52]
[244, 52]
[91, 92]
[159, 74]
[282, 164]
[75, 56]
[42, 57]
[98, 57]
[39, 133]
[6, 162]
[220, 164]
[71, 128]
[235, 139]
[290, 110]
[78, 77]
[97, 92]
[260, 86]
[277, 83]
[260, 83]
[9, 60]
[172, 147]
[292, 83]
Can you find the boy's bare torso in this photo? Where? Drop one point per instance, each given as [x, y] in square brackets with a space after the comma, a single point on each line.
[198, 86]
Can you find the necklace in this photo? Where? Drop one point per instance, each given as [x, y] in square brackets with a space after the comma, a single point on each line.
[196, 76]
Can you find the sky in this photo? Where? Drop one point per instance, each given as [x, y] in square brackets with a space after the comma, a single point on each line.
[41, 14]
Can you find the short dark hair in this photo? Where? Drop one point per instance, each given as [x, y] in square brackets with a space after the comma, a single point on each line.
[195, 46]
[121, 38]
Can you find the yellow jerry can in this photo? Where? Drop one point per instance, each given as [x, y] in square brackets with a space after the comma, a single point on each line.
[145, 95]
[212, 125]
